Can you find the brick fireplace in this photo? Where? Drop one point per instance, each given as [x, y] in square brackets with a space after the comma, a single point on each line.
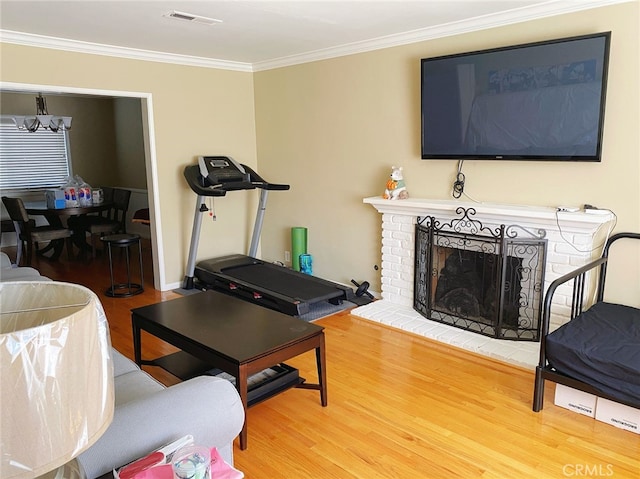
[572, 240]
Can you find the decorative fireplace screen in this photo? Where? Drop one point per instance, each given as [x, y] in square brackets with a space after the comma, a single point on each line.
[473, 277]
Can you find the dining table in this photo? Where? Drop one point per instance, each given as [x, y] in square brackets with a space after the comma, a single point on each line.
[54, 217]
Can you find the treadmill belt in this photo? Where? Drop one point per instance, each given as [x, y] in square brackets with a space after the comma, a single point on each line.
[284, 281]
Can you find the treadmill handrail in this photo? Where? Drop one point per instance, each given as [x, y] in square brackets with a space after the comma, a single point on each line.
[197, 184]
[259, 182]
[272, 186]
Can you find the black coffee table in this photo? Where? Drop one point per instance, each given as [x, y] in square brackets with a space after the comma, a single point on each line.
[224, 332]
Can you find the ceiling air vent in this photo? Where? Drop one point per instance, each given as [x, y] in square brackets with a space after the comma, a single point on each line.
[190, 17]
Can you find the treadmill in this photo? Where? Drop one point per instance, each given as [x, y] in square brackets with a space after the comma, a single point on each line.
[267, 284]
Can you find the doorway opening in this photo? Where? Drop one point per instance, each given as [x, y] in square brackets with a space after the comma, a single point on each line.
[150, 161]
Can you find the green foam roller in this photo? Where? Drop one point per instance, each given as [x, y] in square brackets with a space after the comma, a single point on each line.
[298, 245]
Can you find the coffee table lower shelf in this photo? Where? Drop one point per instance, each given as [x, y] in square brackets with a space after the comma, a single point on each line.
[261, 386]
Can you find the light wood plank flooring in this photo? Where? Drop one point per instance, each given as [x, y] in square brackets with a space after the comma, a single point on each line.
[400, 406]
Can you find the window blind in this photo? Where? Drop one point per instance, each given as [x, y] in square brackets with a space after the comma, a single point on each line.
[32, 160]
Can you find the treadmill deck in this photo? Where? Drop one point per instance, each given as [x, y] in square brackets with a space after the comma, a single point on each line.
[268, 284]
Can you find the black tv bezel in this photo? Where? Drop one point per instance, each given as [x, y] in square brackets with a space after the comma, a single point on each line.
[597, 157]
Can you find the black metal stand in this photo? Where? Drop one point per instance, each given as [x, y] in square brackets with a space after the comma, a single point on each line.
[124, 290]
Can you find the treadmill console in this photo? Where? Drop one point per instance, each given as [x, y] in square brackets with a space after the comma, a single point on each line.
[217, 170]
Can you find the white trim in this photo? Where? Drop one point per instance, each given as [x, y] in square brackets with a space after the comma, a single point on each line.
[148, 127]
[33, 87]
[151, 164]
[514, 16]
[511, 17]
[538, 216]
[55, 43]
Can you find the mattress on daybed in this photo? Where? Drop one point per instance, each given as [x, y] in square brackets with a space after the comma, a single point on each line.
[601, 347]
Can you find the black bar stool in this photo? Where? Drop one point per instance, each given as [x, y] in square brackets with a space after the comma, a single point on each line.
[124, 290]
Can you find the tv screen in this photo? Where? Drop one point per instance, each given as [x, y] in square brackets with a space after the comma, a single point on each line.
[538, 101]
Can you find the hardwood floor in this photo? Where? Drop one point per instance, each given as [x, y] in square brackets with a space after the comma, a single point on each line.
[400, 406]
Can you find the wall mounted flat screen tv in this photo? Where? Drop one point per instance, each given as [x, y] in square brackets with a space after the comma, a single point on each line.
[538, 101]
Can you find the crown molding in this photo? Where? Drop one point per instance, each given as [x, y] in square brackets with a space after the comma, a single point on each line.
[518, 15]
[511, 17]
[42, 41]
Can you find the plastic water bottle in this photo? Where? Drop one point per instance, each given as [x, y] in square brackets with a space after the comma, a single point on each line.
[306, 263]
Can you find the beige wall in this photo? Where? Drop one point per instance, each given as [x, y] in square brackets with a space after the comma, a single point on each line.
[334, 128]
[130, 156]
[196, 111]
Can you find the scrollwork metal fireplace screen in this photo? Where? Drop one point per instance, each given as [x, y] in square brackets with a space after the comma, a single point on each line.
[486, 280]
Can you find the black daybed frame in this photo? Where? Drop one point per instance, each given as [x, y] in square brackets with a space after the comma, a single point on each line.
[544, 371]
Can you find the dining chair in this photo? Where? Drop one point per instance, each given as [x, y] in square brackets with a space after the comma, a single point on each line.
[32, 235]
[107, 197]
[113, 222]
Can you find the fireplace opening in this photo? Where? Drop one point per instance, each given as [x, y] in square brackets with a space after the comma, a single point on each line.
[479, 279]
[466, 286]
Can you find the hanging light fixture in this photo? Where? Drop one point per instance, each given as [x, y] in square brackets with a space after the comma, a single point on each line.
[42, 119]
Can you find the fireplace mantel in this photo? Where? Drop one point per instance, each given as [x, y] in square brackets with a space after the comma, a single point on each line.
[533, 216]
